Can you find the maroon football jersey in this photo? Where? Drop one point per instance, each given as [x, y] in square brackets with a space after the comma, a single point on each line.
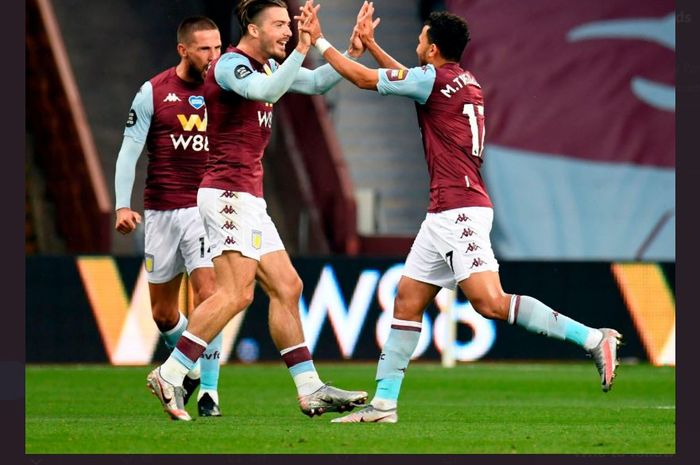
[452, 126]
[240, 130]
[177, 143]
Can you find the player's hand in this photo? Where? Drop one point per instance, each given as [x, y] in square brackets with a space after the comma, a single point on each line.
[309, 23]
[365, 25]
[127, 219]
[355, 48]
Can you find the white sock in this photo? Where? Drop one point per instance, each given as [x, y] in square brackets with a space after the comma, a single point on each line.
[173, 371]
[307, 382]
[384, 404]
[196, 372]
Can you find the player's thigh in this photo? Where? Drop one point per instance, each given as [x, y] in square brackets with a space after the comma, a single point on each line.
[412, 297]
[203, 282]
[425, 263]
[232, 220]
[462, 237]
[485, 293]
[235, 277]
[196, 253]
[194, 246]
[163, 260]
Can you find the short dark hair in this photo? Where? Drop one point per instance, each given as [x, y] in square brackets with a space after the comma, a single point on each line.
[190, 25]
[449, 32]
[247, 10]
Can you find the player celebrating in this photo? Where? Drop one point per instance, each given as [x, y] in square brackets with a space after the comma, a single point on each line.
[453, 246]
[168, 115]
[240, 89]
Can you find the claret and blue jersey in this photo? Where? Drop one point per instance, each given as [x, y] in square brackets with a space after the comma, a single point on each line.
[450, 108]
[169, 116]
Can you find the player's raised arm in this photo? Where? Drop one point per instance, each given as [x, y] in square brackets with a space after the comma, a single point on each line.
[233, 73]
[356, 73]
[325, 77]
[365, 31]
[415, 83]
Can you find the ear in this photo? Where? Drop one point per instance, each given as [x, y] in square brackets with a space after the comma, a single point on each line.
[434, 51]
[181, 50]
[253, 30]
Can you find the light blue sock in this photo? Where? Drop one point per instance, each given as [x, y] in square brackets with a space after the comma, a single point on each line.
[172, 335]
[397, 351]
[210, 361]
[535, 316]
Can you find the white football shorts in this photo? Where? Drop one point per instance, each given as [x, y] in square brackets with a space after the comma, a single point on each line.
[237, 221]
[175, 242]
[451, 245]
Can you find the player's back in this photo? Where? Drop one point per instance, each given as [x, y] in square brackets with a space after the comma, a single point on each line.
[453, 128]
[239, 131]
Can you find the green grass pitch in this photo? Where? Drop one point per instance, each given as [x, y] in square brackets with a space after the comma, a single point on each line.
[484, 408]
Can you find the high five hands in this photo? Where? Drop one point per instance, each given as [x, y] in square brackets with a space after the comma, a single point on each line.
[362, 33]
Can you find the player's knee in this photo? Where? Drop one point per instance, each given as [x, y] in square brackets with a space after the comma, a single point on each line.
[289, 290]
[204, 292]
[234, 302]
[244, 298]
[406, 308]
[165, 318]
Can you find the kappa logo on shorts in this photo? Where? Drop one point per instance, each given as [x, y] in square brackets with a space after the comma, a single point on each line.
[227, 210]
[228, 194]
[461, 218]
[229, 240]
[477, 263]
[148, 263]
[229, 225]
[472, 247]
[242, 71]
[466, 233]
[256, 239]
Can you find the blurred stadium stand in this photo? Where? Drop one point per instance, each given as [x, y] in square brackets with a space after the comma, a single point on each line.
[62, 142]
[379, 136]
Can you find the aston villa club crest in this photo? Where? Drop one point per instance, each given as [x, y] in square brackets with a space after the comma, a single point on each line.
[256, 240]
[148, 263]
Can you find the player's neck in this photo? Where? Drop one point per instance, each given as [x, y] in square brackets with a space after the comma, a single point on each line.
[439, 62]
[183, 72]
[248, 46]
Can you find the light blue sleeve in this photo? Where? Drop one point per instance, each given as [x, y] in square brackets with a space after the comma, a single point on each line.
[139, 120]
[233, 72]
[416, 83]
[318, 81]
[125, 171]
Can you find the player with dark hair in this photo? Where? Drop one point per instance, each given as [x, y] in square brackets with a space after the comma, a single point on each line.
[168, 116]
[453, 245]
[240, 90]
